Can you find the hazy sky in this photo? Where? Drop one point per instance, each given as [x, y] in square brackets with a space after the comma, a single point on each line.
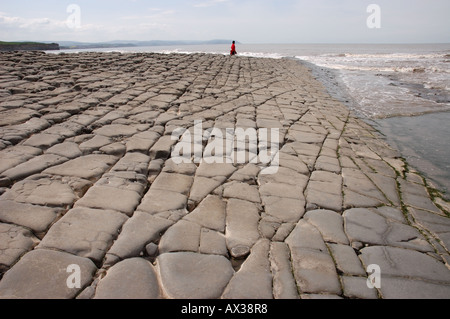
[248, 21]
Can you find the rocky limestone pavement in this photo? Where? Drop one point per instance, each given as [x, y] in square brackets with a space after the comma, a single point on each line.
[170, 176]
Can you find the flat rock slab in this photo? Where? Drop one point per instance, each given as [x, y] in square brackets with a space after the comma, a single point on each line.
[325, 191]
[111, 198]
[254, 279]
[116, 130]
[159, 201]
[69, 150]
[315, 272]
[15, 241]
[41, 190]
[37, 218]
[330, 224]
[16, 116]
[42, 274]
[286, 210]
[202, 187]
[12, 157]
[211, 213]
[137, 232]
[430, 277]
[241, 226]
[183, 236]
[34, 166]
[284, 285]
[43, 140]
[133, 278]
[366, 226]
[178, 183]
[85, 232]
[97, 142]
[89, 166]
[242, 191]
[438, 225]
[194, 276]
[313, 267]
[132, 162]
[215, 169]
[142, 142]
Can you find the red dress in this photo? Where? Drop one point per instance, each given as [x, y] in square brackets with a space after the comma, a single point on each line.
[233, 49]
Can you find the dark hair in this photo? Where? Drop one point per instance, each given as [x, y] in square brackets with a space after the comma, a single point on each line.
[234, 42]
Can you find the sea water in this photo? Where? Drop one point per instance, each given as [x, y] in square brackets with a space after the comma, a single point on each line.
[402, 90]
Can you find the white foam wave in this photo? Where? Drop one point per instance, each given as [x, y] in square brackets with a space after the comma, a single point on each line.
[245, 54]
[262, 55]
[380, 64]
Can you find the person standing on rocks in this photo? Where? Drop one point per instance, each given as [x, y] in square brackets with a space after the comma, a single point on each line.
[233, 49]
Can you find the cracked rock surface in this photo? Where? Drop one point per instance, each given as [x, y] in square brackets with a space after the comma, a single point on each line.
[90, 175]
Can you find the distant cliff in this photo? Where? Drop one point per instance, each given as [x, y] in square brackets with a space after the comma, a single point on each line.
[28, 46]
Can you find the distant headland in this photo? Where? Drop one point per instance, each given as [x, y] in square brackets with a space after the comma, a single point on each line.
[28, 46]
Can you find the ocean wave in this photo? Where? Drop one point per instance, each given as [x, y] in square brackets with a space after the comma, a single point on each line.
[384, 66]
[262, 55]
[393, 56]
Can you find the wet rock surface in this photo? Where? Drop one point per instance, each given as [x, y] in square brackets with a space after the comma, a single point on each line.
[129, 167]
